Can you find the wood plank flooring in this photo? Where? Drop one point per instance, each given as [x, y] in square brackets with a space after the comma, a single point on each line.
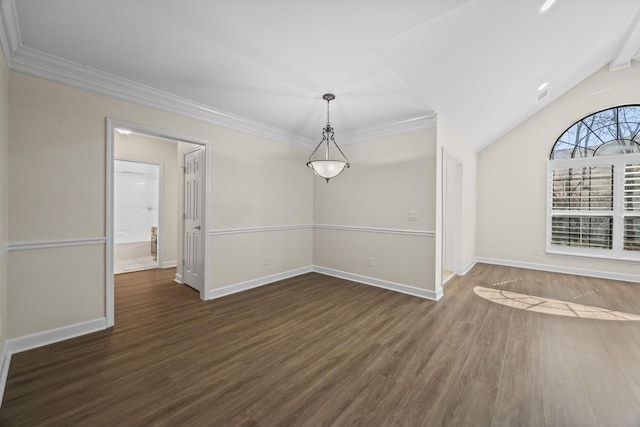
[320, 351]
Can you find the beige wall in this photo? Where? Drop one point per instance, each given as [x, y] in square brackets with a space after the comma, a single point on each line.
[389, 177]
[4, 188]
[259, 185]
[164, 153]
[58, 159]
[512, 175]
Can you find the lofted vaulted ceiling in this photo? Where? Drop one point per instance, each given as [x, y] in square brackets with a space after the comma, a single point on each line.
[262, 66]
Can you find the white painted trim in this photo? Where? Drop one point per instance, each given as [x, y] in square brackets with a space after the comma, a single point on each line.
[36, 63]
[40, 339]
[178, 278]
[467, 268]
[260, 281]
[322, 227]
[52, 244]
[629, 47]
[9, 32]
[169, 264]
[109, 224]
[392, 286]
[635, 278]
[111, 124]
[5, 360]
[3, 251]
[376, 230]
[4, 41]
[258, 229]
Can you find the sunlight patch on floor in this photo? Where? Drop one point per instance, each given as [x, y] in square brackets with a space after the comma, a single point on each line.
[551, 306]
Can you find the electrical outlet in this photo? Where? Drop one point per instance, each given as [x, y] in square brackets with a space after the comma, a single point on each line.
[413, 215]
[370, 261]
[267, 260]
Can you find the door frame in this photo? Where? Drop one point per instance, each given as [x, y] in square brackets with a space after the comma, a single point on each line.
[111, 125]
[448, 160]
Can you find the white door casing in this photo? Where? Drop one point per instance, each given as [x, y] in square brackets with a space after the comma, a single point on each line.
[193, 259]
[111, 125]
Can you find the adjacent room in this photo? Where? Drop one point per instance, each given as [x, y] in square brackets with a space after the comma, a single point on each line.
[339, 213]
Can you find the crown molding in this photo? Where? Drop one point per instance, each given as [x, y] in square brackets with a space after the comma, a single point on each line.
[630, 47]
[9, 33]
[39, 64]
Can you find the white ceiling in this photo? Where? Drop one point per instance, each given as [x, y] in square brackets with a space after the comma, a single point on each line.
[391, 64]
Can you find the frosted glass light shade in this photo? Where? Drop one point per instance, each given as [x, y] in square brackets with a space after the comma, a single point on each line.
[327, 169]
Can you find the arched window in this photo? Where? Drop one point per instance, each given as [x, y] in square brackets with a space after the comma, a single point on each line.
[594, 186]
[605, 133]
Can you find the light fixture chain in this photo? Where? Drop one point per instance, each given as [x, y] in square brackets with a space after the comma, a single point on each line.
[328, 121]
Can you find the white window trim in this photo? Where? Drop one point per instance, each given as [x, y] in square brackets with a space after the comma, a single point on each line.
[616, 253]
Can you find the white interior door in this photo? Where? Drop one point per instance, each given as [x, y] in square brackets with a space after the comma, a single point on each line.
[193, 248]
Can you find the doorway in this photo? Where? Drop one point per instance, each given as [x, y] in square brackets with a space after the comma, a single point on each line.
[158, 140]
[451, 218]
[136, 188]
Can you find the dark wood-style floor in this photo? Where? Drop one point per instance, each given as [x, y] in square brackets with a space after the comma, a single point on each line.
[315, 350]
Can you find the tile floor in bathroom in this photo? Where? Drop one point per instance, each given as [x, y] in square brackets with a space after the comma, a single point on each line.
[135, 264]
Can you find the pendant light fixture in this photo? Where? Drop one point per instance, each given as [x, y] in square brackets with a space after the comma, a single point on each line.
[328, 168]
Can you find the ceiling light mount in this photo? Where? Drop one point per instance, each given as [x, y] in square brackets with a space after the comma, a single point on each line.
[547, 5]
[327, 167]
[328, 97]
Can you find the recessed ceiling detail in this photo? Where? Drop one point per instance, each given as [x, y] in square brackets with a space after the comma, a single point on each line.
[472, 61]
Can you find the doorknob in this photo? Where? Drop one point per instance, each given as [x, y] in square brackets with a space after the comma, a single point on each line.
[197, 227]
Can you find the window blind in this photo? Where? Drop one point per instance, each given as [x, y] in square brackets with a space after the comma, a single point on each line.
[631, 239]
[585, 188]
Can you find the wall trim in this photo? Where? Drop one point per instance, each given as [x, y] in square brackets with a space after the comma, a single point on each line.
[220, 232]
[5, 360]
[380, 283]
[178, 278]
[39, 64]
[48, 244]
[634, 278]
[40, 339]
[3, 250]
[467, 268]
[260, 281]
[169, 264]
[322, 227]
[376, 230]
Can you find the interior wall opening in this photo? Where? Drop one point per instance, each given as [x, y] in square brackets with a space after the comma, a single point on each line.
[137, 214]
[145, 203]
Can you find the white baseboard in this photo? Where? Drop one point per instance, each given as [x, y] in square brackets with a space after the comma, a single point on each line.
[398, 287]
[469, 266]
[178, 278]
[561, 269]
[169, 264]
[5, 356]
[39, 339]
[261, 281]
